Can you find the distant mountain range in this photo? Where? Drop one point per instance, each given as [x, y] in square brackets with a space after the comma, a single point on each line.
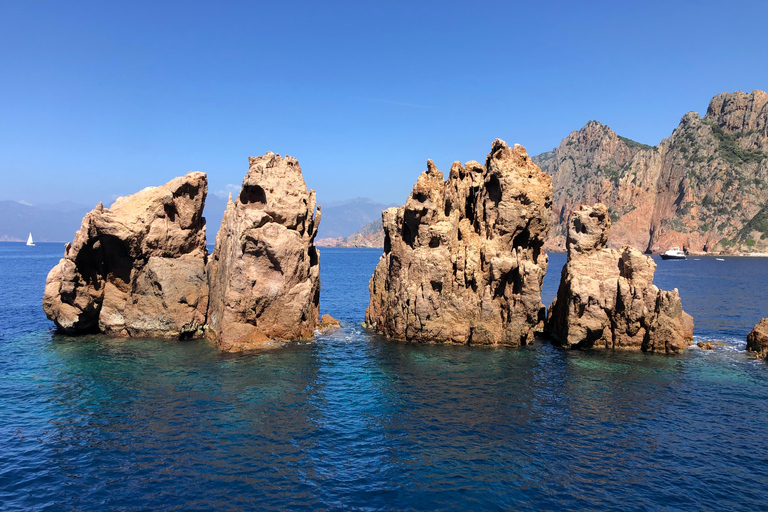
[59, 222]
[371, 235]
[47, 223]
[343, 218]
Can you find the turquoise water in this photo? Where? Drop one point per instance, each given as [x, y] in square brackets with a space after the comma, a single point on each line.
[354, 421]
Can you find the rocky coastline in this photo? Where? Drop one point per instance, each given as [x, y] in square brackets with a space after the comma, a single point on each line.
[463, 259]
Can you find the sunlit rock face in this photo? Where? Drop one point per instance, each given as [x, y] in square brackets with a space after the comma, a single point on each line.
[607, 298]
[264, 273]
[757, 339]
[462, 259]
[137, 268]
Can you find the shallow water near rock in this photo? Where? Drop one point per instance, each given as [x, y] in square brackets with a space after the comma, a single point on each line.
[356, 421]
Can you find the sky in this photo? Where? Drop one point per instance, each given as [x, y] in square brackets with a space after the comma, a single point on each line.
[101, 99]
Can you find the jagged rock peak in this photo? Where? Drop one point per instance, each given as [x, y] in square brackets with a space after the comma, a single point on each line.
[264, 273]
[739, 111]
[607, 298]
[136, 268]
[462, 258]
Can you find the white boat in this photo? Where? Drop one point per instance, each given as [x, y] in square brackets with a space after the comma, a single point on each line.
[29, 240]
[674, 254]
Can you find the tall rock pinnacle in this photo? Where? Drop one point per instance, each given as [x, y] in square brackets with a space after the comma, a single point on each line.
[462, 259]
[264, 273]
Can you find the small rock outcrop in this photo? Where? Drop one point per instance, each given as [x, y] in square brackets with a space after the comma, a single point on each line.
[462, 259]
[328, 324]
[757, 339]
[607, 298]
[264, 273]
[136, 268]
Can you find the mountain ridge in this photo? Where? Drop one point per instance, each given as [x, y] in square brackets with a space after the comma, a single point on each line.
[676, 193]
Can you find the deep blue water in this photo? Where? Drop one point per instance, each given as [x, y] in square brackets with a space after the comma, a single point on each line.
[355, 421]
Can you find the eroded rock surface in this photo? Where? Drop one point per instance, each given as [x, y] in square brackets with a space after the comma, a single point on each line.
[264, 273]
[757, 339]
[462, 259]
[136, 268]
[607, 298]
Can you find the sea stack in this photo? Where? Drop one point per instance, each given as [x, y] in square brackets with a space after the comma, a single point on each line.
[462, 259]
[264, 273]
[136, 268]
[607, 298]
[757, 339]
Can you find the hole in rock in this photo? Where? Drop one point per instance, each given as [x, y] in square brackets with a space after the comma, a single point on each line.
[313, 258]
[522, 239]
[494, 189]
[170, 211]
[253, 194]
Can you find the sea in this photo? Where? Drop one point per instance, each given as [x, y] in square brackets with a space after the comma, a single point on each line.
[354, 421]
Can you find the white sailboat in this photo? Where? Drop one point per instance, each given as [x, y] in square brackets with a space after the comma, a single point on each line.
[29, 240]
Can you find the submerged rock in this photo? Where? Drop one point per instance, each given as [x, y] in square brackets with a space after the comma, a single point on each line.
[705, 345]
[136, 268]
[757, 339]
[462, 259]
[607, 298]
[264, 273]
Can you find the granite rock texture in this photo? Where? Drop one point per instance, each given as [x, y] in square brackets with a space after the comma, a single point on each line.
[264, 273]
[137, 268]
[607, 298]
[462, 259]
[757, 339]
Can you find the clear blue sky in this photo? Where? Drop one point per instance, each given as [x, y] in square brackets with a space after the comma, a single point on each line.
[100, 99]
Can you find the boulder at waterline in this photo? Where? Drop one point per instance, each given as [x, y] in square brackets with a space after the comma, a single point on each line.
[328, 324]
[757, 339]
[264, 273]
[607, 298]
[462, 259]
[136, 268]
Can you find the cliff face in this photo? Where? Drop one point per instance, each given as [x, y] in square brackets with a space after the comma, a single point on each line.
[136, 268]
[264, 273]
[462, 259]
[703, 189]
